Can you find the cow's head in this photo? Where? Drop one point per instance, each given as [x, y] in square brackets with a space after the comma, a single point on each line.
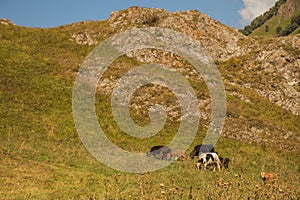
[193, 154]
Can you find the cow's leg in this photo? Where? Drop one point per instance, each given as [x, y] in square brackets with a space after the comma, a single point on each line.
[219, 167]
[214, 167]
[161, 156]
[198, 166]
[205, 165]
[157, 155]
[169, 156]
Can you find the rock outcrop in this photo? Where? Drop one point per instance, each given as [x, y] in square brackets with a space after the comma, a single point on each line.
[269, 68]
[6, 22]
[275, 63]
[220, 41]
[84, 38]
[273, 71]
[288, 9]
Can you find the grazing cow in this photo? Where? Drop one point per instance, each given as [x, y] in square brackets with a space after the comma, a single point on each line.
[201, 148]
[224, 162]
[206, 159]
[177, 153]
[160, 152]
[268, 177]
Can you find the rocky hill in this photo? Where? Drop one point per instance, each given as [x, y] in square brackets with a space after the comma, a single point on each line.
[264, 68]
[193, 23]
[251, 67]
[276, 60]
[288, 9]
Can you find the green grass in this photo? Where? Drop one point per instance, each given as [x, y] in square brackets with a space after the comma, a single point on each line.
[297, 31]
[42, 157]
[272, 23]
[65, 170]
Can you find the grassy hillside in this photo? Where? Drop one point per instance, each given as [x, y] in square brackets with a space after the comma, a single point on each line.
[261, 20]
[42, 157]
[274, 22]
[269, 28]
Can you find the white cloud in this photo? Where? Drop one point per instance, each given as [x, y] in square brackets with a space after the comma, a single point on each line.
[254, 8]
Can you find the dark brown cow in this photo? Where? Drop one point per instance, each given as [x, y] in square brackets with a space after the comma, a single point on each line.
[160, 152]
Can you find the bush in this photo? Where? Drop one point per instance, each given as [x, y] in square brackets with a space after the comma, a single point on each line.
[296, 20]
[247, 30]
[278, 30]
[266, 28]
[151, 20]
[289, 29]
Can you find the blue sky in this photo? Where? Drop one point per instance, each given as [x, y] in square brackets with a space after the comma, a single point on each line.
[51, 13]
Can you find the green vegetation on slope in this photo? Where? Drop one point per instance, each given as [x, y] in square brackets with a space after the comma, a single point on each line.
[279, 27]
[262, 19]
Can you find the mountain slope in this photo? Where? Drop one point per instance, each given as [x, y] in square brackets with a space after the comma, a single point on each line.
[41, 154]
[223, 43]
[280, 20]
[210, 33]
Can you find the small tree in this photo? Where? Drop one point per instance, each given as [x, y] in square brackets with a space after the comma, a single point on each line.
[247, 30]
[289, 29]
[296, 20]
[266, 28]
[278, 30]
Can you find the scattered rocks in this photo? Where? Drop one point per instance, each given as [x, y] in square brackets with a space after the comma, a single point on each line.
[271, 67]
[267, 134]
[84, 38]
[276, 66]
[220, 41]
[6, 22]
[277, 69]
[288, 9]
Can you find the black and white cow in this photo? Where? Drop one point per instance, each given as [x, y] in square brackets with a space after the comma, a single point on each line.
[160, 152]
[201, 148]
[206, 159]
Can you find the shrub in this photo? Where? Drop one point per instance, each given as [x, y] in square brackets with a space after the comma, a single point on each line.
[278, 30]
[151, 20]
[296, 20]
[266, 28]
[289, 29]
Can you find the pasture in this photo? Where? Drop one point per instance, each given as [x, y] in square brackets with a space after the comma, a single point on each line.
[36, 169]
